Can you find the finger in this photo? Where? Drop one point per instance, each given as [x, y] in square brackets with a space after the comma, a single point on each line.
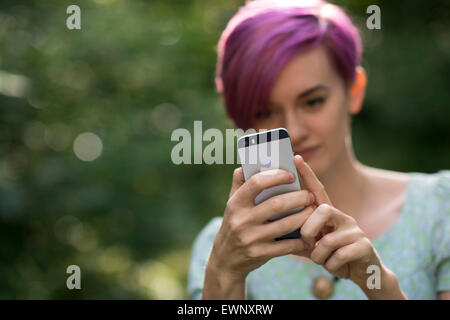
[323, 216]
[282, 203]
[305, 253]
[346, 254]
[283, 226]
[332, 242]
[238, 180]
[263, 180]
[311, 182]
[283, 247]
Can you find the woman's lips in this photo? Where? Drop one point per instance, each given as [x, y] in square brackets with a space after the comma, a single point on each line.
[308, 152]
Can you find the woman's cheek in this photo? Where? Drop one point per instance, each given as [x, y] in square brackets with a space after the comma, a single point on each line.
[329, 130]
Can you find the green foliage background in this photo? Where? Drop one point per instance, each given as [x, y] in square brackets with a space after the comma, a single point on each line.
[135, 71]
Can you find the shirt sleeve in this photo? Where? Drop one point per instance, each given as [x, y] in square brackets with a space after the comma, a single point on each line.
[441, 231]
[199, 256]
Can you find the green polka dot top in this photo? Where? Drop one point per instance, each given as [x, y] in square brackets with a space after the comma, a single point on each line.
[416, 249]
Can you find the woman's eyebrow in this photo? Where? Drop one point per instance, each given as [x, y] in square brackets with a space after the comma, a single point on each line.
[311, 90]
[305, 93]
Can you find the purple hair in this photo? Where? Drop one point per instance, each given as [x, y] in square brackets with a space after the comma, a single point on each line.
[264, 35]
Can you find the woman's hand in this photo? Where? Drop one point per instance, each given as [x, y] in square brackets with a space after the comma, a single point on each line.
[335, 241]
[245, 240]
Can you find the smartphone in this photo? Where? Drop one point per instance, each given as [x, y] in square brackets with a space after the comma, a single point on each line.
[268, 150]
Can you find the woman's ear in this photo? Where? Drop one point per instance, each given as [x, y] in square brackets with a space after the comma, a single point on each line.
[357, 91]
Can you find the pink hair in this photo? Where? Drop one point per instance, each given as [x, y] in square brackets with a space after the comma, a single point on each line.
[264, 35]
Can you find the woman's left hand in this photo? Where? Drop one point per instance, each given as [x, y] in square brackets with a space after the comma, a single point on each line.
[333, 238]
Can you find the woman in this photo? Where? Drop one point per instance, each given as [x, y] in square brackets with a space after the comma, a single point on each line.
[366, 232]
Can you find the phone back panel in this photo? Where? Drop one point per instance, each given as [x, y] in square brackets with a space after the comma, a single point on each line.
[264, 155]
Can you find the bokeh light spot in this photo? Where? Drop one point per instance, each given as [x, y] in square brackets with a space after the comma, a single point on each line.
[87, 146]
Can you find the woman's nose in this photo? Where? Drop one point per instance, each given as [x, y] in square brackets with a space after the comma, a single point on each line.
[298, 132]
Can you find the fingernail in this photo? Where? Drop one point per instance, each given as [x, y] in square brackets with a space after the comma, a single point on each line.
[311, 198]
[291, 177]
[299, 156]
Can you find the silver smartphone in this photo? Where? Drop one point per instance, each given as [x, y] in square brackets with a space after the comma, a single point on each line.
[268, 150]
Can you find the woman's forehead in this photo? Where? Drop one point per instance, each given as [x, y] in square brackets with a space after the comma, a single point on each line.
[306, 70]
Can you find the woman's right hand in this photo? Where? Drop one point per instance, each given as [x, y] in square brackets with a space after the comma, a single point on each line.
[246, 240]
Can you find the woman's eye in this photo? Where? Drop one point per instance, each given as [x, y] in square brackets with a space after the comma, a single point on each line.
[263, 114]
[315, 102]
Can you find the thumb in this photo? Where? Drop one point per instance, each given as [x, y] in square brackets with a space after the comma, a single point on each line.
[311, 182]
[238, 180]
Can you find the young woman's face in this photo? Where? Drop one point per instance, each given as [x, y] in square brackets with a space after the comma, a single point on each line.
[309, 99]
